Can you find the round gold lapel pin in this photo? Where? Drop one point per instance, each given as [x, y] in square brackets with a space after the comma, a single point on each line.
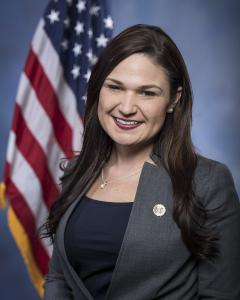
[159, 210]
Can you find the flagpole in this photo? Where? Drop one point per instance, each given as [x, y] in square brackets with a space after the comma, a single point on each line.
[2, 195]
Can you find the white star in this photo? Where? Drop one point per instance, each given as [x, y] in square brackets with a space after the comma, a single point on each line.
[79, 28]
[53, 16]
[108, 22]
[87, 75]
[84, 98]
[69, 2]
[102, 40]
[90, 33]
[89, 54]
[66, 22]
[75, 71]
[65, 44]
[77, 49]
[94, 10]
[91, 57]
[81, 6]
[94, 60]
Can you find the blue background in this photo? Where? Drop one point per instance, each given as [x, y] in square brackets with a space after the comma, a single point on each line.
[206, 32]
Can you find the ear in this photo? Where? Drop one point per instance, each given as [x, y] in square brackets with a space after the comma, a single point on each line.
[173, 103]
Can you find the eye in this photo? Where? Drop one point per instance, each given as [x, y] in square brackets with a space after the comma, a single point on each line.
[113, 87]
[148, 93]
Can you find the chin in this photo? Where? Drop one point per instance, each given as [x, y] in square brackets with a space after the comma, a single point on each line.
[121, 142]
[127, 143]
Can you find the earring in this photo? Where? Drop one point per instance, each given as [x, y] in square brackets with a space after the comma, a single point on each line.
[170, 110]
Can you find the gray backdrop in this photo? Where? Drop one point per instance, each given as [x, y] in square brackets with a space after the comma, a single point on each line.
[207, 33]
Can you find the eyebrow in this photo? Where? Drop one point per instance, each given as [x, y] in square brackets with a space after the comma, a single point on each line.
[147, 86]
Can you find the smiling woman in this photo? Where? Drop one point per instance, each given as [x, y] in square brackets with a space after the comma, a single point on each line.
[133, 102]
[141, 214]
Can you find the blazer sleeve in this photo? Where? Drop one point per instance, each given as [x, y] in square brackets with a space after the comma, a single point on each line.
[55, 286]
[220, 278]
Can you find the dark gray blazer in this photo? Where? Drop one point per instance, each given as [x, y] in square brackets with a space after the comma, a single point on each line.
[153, 262]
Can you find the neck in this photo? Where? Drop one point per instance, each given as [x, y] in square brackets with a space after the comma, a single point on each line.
[127, 157]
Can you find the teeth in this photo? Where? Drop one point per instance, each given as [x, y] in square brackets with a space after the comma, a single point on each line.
[127, 122]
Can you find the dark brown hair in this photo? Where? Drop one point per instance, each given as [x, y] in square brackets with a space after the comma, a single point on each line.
[172, 144]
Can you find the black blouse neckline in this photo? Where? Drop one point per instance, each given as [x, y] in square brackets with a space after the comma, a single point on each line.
[106, 202]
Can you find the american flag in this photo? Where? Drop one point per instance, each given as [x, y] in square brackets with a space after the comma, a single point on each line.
[47, 123]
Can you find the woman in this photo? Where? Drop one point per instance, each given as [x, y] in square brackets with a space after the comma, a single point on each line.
[141, 215]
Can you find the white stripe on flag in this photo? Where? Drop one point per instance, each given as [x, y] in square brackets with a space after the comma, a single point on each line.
[11, 147]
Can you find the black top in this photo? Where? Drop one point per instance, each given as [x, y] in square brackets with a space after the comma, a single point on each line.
[93, 238]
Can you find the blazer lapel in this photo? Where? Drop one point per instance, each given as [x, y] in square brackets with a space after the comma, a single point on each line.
[146, 230]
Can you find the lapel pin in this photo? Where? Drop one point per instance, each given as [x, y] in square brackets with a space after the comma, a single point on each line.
[159, 210]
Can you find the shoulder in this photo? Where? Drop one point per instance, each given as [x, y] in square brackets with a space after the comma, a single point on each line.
[209, 169]
[214, 180]
[207, 165]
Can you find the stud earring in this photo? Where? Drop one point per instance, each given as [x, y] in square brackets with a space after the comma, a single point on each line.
[170, 110]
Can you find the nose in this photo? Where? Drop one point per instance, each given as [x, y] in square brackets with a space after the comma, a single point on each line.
[128, 104]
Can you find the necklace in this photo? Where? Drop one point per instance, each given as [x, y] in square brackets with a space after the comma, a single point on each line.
[105, 182]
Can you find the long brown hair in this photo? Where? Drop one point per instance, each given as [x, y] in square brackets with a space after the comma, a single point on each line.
[172, 144]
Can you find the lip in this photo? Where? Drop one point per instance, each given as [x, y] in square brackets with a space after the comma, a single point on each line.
[126, 127]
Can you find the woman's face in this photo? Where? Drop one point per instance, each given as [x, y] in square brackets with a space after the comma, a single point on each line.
[133, 101]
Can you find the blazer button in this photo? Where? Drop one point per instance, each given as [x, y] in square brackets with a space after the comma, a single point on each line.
[159, 210]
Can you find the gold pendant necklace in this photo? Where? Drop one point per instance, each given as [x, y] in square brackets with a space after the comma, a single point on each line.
[105, 182]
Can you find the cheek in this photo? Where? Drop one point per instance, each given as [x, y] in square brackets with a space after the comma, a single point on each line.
[100, 112]
[157, 119]
[104, 100]
[100, 104]
[103, 107]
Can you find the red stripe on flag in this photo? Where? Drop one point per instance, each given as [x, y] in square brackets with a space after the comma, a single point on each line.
[33, 153]
[48, 99]
[25, 216]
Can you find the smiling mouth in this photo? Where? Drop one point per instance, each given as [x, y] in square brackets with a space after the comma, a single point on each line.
[126, 121]
[126, 124]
